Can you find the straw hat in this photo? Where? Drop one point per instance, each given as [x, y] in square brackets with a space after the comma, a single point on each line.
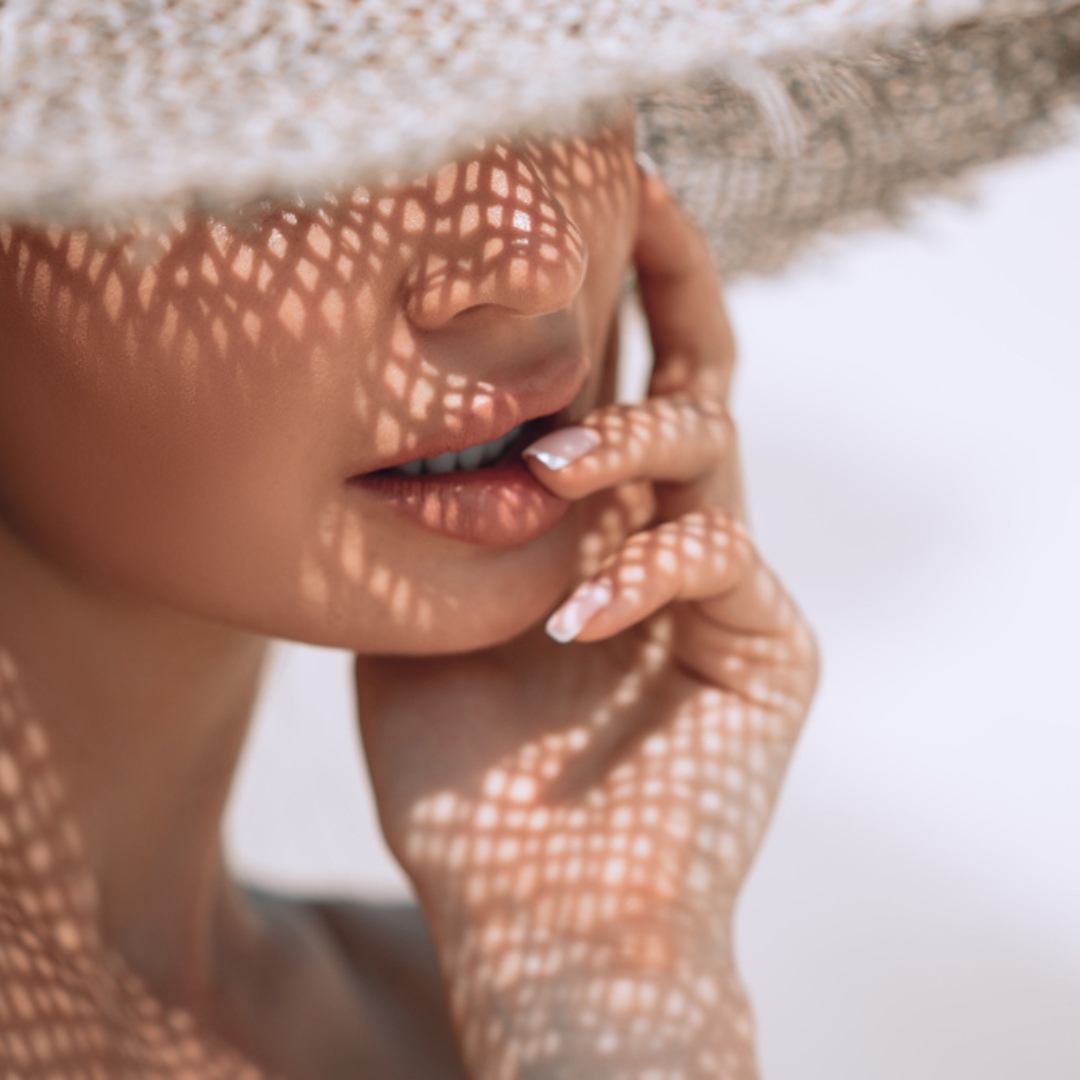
[771, 119]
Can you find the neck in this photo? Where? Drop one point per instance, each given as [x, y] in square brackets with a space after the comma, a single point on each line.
[145, 709]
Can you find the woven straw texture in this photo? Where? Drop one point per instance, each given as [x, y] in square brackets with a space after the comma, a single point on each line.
[772, 121]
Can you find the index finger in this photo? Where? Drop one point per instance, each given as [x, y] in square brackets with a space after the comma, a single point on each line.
[692, 342]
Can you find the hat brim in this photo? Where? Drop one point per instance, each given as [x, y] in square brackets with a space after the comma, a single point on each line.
[772, 122]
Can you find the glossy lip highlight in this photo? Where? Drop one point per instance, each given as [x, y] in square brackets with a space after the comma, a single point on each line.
[499, 506]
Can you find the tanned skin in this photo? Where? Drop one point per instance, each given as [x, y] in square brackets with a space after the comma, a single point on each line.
[196, 426]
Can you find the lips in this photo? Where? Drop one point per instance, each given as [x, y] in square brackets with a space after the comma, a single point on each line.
[472, 484]
[499, 506]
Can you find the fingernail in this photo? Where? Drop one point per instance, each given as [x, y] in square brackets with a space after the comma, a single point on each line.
[563, 447]
[566, 623]
[646, 164]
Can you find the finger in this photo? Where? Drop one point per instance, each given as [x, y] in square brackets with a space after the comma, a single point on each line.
[701, 555]
[662, 439]
[693, 345]
[774, 668]
[610, 518]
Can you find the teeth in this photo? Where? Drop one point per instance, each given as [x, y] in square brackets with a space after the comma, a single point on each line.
[442, 463]
[472, 457]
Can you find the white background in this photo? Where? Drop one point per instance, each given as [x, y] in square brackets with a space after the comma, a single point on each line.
[908, 406]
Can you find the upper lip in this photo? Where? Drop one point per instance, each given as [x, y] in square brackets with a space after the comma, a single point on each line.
[548, 385]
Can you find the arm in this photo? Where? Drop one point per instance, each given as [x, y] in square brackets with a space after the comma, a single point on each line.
[578, 819]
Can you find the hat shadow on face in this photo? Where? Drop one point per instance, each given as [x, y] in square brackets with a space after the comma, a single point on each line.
[389, 313]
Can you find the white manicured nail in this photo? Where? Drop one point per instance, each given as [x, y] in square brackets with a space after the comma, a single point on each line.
[646, 164]
[587, 600]
[563, 447]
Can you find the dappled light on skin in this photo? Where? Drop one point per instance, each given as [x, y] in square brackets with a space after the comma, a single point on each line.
[70, 1009]
[579, 832]
[586, 877]
[185, 368]
[499, 237]
[577, 818]
[623, 511]
[349, 309]
[512, 510]
[632, 435]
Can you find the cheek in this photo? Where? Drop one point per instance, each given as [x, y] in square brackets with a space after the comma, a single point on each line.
[143, 476]
[130, 489]
[150, 439]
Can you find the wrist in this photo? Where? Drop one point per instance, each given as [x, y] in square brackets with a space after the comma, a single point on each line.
[545, 989]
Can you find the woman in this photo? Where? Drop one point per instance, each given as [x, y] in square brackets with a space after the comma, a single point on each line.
[219, 443]
[382, 420]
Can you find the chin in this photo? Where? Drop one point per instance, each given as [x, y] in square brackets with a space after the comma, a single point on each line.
[485, 623]
[458, 609]
[443, 636]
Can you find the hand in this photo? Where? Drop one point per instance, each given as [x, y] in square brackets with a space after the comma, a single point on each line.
[578, 819]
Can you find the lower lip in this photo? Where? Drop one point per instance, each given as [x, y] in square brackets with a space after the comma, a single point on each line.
[499, 506]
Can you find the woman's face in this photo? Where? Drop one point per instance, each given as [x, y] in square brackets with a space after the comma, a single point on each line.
[214, 419]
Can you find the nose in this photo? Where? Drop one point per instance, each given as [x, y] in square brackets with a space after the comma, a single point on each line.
[494, 234]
